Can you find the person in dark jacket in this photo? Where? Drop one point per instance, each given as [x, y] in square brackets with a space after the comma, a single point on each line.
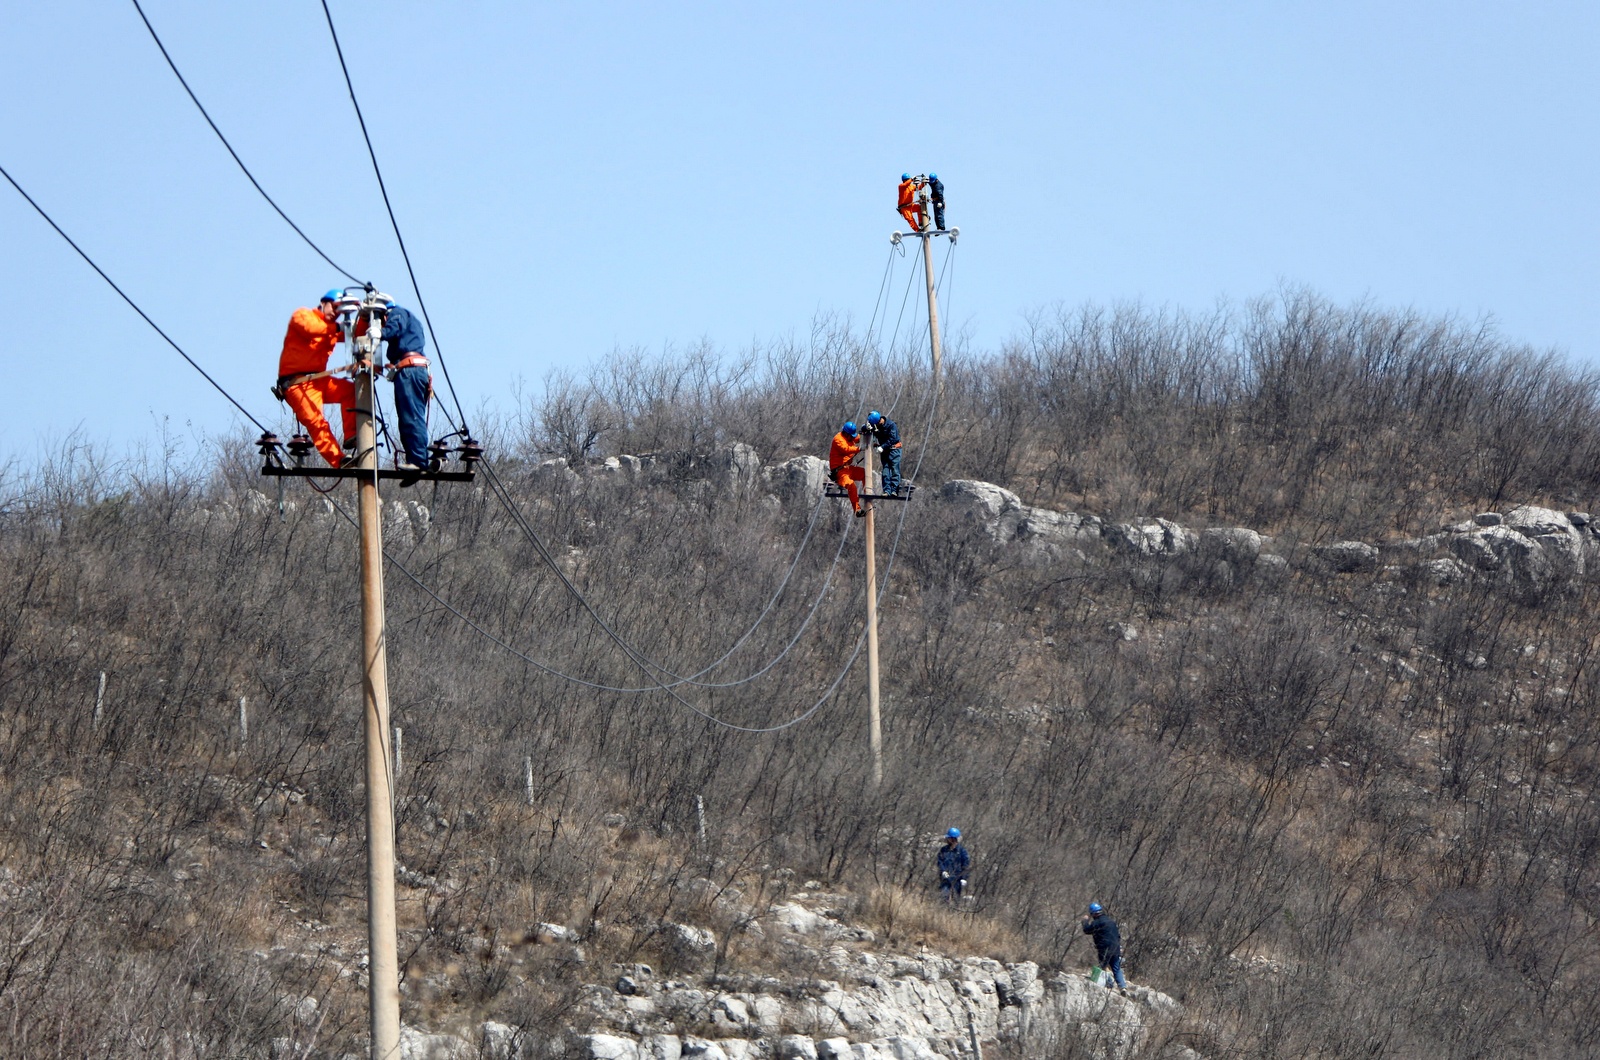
[413, 385]
[886, 436]
[936, 186]
[953, 863]
[1107, 942]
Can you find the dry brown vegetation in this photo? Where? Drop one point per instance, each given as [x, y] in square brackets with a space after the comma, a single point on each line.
[1338, 816]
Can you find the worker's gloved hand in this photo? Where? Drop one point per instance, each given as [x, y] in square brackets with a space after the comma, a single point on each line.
[944, 875]
[963, 883]
[880, 448]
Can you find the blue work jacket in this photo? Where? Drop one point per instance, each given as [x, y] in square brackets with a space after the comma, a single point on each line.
[403, 332]
[954, 860]
[886, 433]
[1107, 938]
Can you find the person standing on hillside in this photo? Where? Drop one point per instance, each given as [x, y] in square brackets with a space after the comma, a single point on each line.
[909, 207]
[841, 464]
[304, 388]
[1107, 942]
[953, 863]
[886, 436]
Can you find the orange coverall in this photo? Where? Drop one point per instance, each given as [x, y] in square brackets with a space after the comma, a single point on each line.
[844, 450]
[909, 207]
[306, 349]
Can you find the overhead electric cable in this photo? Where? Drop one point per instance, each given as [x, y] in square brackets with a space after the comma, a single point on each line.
[498, 642]
[650, 668]
[242, 167]
[939, 286]
[378, 171]
[134, 305]
[503, 496]
[883, 285]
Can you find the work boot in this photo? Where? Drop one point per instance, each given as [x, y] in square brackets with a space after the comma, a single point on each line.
[350, 444]
[861, 513]
[408, 467]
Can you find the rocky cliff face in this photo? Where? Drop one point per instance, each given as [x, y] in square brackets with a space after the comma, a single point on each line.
[873, 1006]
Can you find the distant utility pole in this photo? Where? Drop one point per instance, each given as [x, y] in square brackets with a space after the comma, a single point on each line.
[874, 717]
[873, 489]
[383, 964]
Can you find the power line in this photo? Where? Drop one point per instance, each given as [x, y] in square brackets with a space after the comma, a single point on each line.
[416, 289]
[192, 363]
[242, 167]
[498, 642]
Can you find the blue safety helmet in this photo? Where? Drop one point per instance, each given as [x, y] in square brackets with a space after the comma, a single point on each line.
[954, 833]
[1096, 908]
[905, 176]
[933, 176]
[850, 428]
[333, 295]
[874, 417]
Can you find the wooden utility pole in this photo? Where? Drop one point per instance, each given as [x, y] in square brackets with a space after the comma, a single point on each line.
[873, 484]
[383, 965]
[933, 304]
[874, 719]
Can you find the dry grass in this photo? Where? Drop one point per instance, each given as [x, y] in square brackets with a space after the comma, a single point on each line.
[904, 918]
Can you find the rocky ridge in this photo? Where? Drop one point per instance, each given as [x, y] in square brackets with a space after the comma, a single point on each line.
[872, 1006]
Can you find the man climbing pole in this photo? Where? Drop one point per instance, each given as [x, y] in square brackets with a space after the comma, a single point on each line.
[413, 385]
[936, 186]
[1107, 943]
[841, 464]
[909, 207]
[886, 436]
[303, 379]
[953, 864]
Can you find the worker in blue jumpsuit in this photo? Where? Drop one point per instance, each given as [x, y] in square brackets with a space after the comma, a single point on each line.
[886, 436]
[413, 385]
[1099, 926]
[953, 864]
[936, 186]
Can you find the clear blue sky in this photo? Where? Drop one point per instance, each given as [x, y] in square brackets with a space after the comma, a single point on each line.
[575, 177]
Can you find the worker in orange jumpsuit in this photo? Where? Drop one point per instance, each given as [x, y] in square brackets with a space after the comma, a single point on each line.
[909, 207]
[306, 348]
[845, 446]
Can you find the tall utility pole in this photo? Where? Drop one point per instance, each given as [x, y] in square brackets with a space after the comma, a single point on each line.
[383, 964]
[872, 486]
[933, 312]
[874, 719]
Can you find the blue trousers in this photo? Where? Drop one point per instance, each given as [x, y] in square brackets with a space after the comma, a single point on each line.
[891, 469]
[1113, 964]
[411, 387]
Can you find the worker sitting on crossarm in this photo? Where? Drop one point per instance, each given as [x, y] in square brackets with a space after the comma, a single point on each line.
[841, 464]
[936, 186]
[886, 436]
[306, 348]
[413, 385]
[909, 207]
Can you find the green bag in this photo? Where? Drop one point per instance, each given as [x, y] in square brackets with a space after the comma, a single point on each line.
[1100, 976]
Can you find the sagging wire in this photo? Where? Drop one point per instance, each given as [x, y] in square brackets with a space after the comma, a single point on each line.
[393, 223]
[242, 167]
[131, 303]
